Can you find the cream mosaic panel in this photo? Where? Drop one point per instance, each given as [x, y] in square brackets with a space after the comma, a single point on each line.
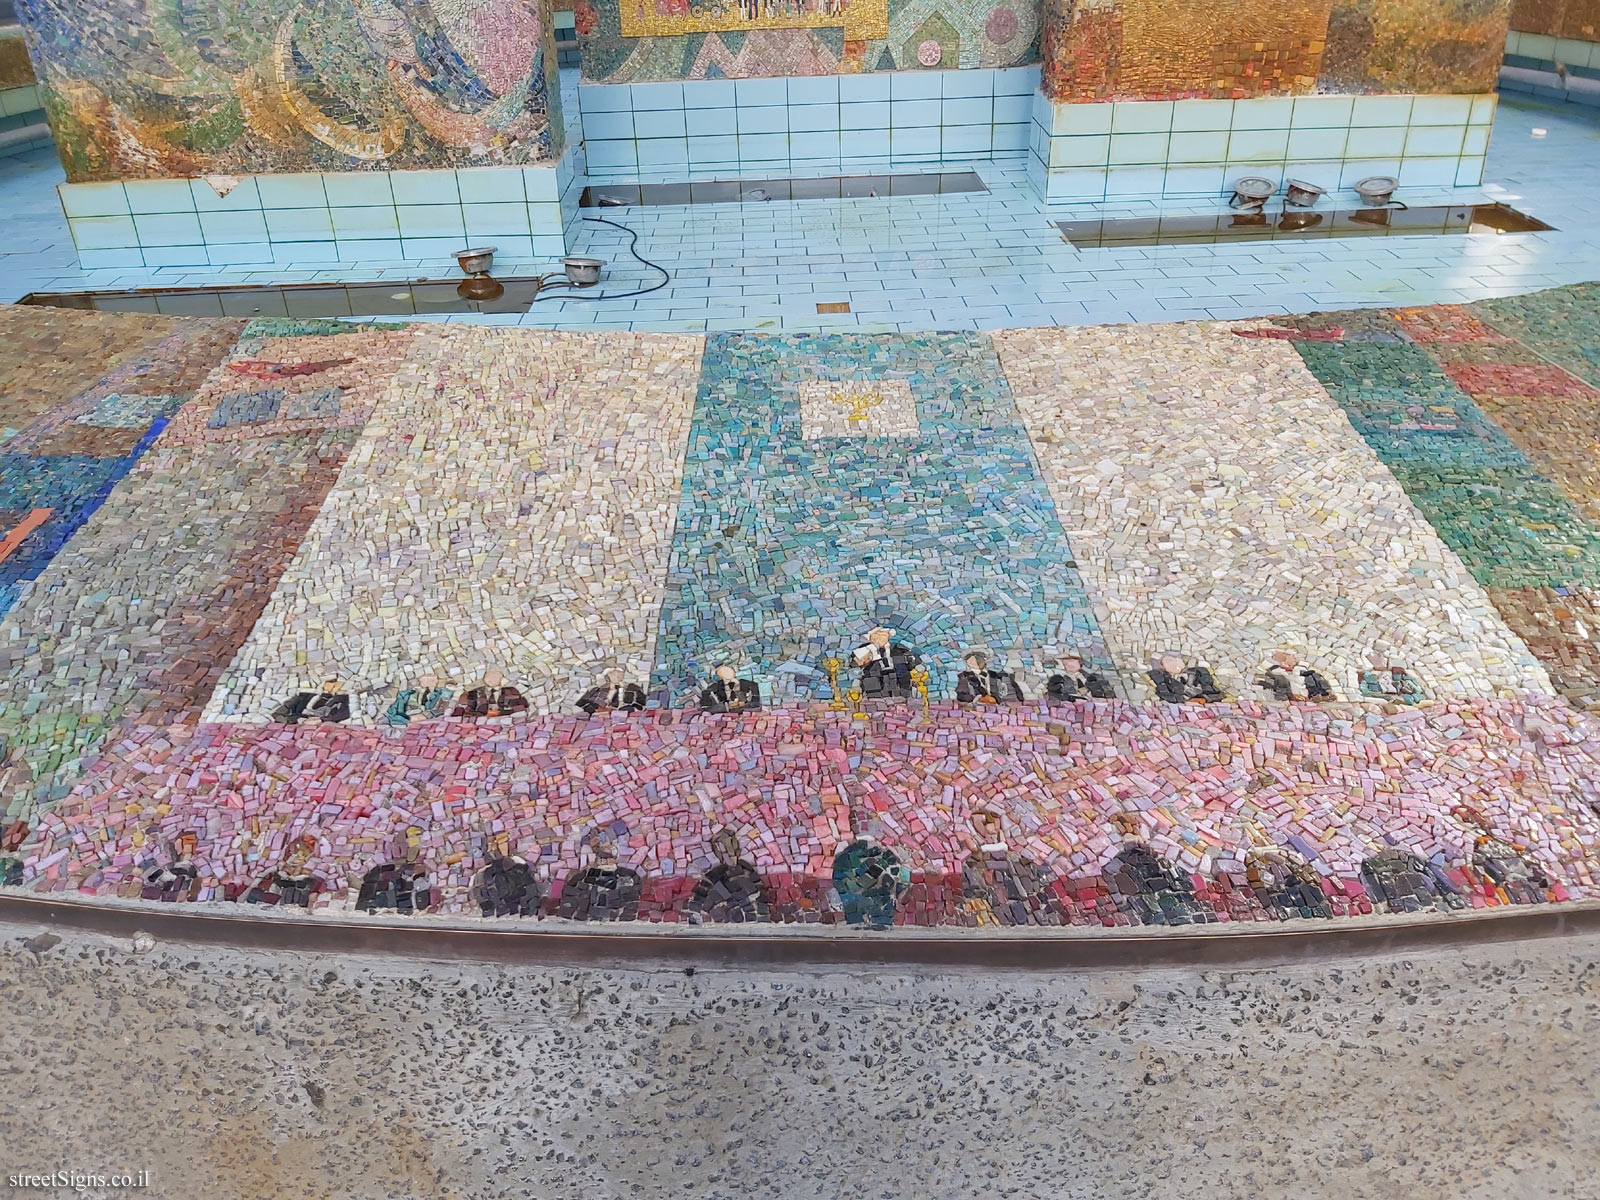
[510, 504]
[1220, 504]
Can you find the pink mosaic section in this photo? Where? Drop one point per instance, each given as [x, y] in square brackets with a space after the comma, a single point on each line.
[1335, 782]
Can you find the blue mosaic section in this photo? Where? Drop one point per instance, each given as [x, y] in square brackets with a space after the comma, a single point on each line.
[72, 486]
[788, 550]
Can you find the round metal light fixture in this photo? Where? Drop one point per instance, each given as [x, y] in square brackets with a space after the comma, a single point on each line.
[1300, 194]
[1376, 189]
[1251, 191]
[583, 272]
[478, 286]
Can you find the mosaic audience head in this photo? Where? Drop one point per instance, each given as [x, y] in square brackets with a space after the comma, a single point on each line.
[879, 636]
[1286, 659]
[427, 680]
[725, 672]
[1170, 661]
[330, 686]
[986, 823]
[725, 845]
[976, 660]
[493, 677]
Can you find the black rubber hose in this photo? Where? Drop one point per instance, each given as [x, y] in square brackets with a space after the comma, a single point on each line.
[666, 276]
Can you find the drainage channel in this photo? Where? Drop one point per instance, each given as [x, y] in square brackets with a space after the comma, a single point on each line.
[394, 298]
[1200, 229]
[762, 191]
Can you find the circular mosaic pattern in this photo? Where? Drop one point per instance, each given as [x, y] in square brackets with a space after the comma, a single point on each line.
[929, 53]
[1001, 25]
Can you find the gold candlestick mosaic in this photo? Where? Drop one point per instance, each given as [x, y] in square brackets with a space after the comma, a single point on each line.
[830, 666]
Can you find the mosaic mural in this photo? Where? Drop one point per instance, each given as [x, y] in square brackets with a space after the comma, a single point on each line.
[1576, 19]
[142, 88]
[1097, 50]
[632, 41]
[1044, 627]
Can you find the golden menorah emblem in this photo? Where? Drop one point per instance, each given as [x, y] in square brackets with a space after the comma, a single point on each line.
[857, 713]
[860, 404]
[831, 666]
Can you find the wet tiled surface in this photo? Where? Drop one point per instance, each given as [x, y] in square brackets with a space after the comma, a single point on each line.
[988, 261]
[773, 630]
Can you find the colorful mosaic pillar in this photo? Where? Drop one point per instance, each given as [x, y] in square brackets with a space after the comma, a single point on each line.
[838, 483]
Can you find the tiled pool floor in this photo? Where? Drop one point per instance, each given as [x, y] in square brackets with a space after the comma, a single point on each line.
[979, 261]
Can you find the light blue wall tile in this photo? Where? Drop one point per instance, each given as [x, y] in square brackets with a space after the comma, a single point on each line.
[442, 249]
[913, 114]
[1080, 118]
[1130, 149]
[667, 123]
[855, 88]
[1355, 169]
[160, 196]
[975, 82]
[373, 250]
[1131, 182]
[866, 114]
[100, 260]
[491, 184]
[813, 89]
[821, 145]
[1011, 137]
[94, 200]
[424, 187]
[1272, 112]
[606, 97]
[430, 220]
[1193, 181]
[168, 229]
[1322, 112]
[1141, 116]
[1016, 81]
[1076, 184]
[1428, 172]
[653, 97]
[959, 140]
[763, 120]
[1365, 142]
[1317, 143]
[1199, 146]
[1195, 116]
[1434, 141]
[915, 85]
[605, 126]
[353, 189]
[760, 93]
[243, 198]
[175, 256]
[715, 151]
[1441, 110]
[763, 147]
[916, 141]
[1009, 110]
[299, 225]
[703, 95]
[291, 191]
[235, 254]
[492, 220]
[619, 155]
[103, 233]
[1470, 172]
[542, 184]
[545, 218]
[548, 246]
[1258, 145]
[367, 223]
[309, 252]
[966, 110]
[223, 228]
[1089, 150]
[859, 145]
[663, 154]
[1381, 110]
[814, 118]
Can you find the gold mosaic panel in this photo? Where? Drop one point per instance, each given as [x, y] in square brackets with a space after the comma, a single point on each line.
[860, 19]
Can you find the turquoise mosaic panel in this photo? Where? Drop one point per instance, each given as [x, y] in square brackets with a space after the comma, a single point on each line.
[788, 549]
[1512, 526]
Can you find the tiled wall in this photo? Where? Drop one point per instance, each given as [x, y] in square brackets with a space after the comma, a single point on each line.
[1532, 56]
[1187, 148]
[333, 217]
[21, 119]
[806, 123]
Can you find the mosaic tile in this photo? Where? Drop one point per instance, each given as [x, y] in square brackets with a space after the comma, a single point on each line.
[1227, 511]
[507, 508]
[789, 550]
[157, 91]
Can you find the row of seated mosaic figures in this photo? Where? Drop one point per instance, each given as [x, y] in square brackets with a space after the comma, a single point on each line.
[872, 886]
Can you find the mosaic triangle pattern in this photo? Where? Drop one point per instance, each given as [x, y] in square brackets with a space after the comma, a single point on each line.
[1163, 625]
